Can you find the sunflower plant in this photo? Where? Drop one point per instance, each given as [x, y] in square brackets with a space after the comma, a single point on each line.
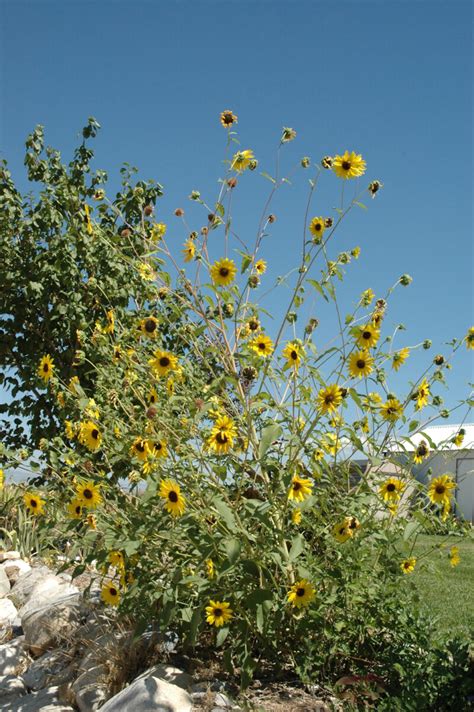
[213, 473]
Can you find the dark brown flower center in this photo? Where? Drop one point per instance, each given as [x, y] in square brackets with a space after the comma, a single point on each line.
[223, 271]
[361, 363]
[294, 355]
[113, 591]
[391, 487]
[140, 447]
[95, 433]
[261, 346]
[78, 509]
[217, 612]
[300, 592]
[422, 450]
[296, 486]
[173, 496]
[150, 325]
[317, 227]
[45, 368]
[164, 361]
[440, 489]
[33, 503]
[366, 334]
[227, 118]
[88, 494]
[346, 165]
[221, 438]
[328, 398]
[158, 446]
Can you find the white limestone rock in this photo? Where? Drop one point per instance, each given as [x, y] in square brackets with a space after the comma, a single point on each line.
[8, 555]
[90, 689]
[150, 694]
[8, 613]
[44, 668]
[12, 656]
[46, 700]
[14, 569]
[11, 686]
[4, 583]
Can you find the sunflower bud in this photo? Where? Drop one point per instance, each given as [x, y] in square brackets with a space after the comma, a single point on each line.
[326, 162]
[148, 210]
[438, 360]
[253, 164]
[311, 326]
[374, 187]
[305, 162]
[179, 212]
[271, 218]
[328, 222]
[254, 281]
[427, 344]
[204, 231]
[405, 280]
[195, 195]
[228, 310]
[291, 317]
[249, 373]
[444, 413]
[288, 134]
[437, 401]
[232, 182]
[151, 412]
[125, 232]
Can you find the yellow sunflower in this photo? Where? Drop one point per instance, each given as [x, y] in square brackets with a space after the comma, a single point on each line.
[188, 251]
[223, 272]
[89, 435]
[262, 345]
[242, 160]
[210, 569]
[158, 231]
[361, 364]
[391, 410]
[110, 594]
[421, 453]
[301, 593]
[367, 336]
[158, 448]
[296, 516]
[329, 398]
[469, 338]
[46, 368]
[293, 352]
[149, 327]
[218, 613]
[454, 558]
[139, 449]
[408, 565]
[33, 503]
[459, 438]
[88, 494]
[76, 509]
[440, 489]
[399, 358]
[391, 489]
[228, 118]
[422, 394]
[317, 227]
[300, 488]
[116, 559]
[163, 362]
[342, 531]
[221, 439]
[261, 266]
[349, 165]
[152, 397]
[175, 504]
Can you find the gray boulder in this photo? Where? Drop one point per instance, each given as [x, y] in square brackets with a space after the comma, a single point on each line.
[11, 686]
[47, 627]
[8, 614]
[150, 694]
[22, 589]
[12, 656]
[4, 583]
[90, 688]
[15, 568]
[44, 668]
[46, 700]
[48, 591]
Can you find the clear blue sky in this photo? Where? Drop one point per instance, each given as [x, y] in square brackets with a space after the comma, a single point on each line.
[392, 80]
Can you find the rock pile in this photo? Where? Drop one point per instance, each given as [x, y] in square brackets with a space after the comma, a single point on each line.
[56, 646]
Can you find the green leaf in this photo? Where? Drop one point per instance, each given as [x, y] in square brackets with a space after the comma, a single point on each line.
[258, 597]
[360, 205]
[265, 175]
[233, 548]
[225, 512]
[222, 634]
[297, 547]
[268, 435]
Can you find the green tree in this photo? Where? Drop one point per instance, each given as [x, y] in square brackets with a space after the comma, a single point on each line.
[69, 258]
